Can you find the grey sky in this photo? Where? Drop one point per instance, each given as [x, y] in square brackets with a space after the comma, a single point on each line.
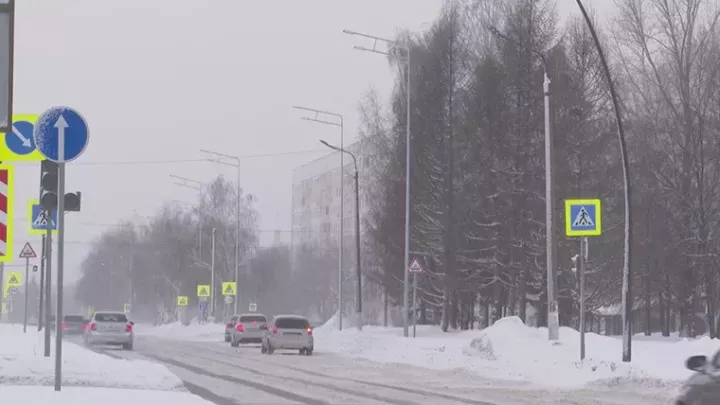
[159, 79]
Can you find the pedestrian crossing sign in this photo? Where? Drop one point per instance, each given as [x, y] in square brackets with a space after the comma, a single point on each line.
[229, 288]
[583, 217]
[203, 290]
[14, 279]
[182, 301]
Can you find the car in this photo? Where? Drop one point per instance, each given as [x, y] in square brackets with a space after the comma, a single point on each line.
[74, 324]
[229, 327]
[287, 332]
[702, 388]
[110, 328]
[247, 329]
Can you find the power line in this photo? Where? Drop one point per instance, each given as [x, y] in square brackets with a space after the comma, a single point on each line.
[175, 161]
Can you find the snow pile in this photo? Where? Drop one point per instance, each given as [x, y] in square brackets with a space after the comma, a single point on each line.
[213, 332]
[510, 350]
[22, 363]
[91, 395]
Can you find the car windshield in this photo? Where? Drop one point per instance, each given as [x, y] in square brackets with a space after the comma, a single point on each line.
[110, 318]
[74, 318]
[253, 318]
[292, 323]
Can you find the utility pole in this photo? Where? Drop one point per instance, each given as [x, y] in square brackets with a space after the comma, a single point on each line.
[551, 248]
[395, 47]
[342, 194]
[212, 277]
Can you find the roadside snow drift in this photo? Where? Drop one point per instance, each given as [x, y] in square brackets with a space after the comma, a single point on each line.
[512, 351]
[208, 332]
[93, 395]
[22, 363]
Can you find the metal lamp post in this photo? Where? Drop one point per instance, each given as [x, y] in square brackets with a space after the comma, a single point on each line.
[220, 156]
[358, 273]
[406, 281]
[627, 301]
[551, 245]
[342, 193]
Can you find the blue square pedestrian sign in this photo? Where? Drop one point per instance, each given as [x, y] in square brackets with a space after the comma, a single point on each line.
[40, 220]
[583, 217]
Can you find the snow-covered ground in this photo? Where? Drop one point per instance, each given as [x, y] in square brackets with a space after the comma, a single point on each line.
[22, 363]
[94, 395]
[208, 332]
[508, 350]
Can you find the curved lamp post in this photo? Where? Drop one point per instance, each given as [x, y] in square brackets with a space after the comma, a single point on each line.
[627, 269]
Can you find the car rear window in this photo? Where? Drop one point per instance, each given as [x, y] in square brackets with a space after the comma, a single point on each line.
[291, 323]
[110, 318]
[253, 318]
[74, 318]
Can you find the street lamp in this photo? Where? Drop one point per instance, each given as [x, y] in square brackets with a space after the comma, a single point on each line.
[219, 157]
[551, 246]
[189, 183]
[342, 194]
[627, 268]
[395, 45]
[358, 300]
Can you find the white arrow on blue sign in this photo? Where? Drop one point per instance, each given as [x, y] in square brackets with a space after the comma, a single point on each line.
[21, 140]
[41, 219]
[61, 134]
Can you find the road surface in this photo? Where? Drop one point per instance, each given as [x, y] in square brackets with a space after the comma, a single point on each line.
[236, 376]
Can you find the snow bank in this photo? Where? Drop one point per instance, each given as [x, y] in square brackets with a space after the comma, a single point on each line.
[213, 332]
[105, 396]
[22, 363]
[510, 350]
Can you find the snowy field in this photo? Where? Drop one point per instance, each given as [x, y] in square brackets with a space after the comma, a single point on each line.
[508, 350]
[95, 395]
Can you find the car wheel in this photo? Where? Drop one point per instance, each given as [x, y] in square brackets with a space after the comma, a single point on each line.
[263, 350]
[270, 349]
[302, 351]
[234, 343]
[308, 352]
[227, 338]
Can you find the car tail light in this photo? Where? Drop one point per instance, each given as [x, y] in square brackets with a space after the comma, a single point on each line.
[240, 327]
[63, 326]
[253, 321]
[274, 329]
[128, 328]
[309, 331]
[93, 326]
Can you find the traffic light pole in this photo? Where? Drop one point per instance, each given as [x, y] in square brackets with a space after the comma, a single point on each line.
[42, 285]
[60, 256]
[48, 286]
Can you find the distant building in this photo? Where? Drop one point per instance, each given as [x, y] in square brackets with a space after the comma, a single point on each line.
[316, 201]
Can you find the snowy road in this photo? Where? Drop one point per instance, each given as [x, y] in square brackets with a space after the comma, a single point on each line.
[229, 376]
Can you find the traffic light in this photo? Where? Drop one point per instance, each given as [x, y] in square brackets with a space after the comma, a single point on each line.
[48, 185]
[72, 201]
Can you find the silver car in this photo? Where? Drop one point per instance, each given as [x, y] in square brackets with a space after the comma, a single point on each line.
[247, 329]
[287, 332]
[703, 387]
[109, 328]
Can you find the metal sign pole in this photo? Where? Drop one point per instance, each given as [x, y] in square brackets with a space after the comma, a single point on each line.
[27, 274]
[42, 285]
[48, 285]
[581, 270]
[414, 306]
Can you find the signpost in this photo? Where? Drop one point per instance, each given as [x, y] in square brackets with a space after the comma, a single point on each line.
[61, 135]
[6, 212]
[27, 253]
[583, 218]
[229, 288]
[40, 219]
[415, 269]
[182, 301]
[228, 299]
[7, 51]
[252, 307]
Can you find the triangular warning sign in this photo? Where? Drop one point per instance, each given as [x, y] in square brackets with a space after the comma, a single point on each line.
[182, 301]
[583, 218]
[203, 292]
[415, 267]
[13, 280]
[228, 290]
[27, 252]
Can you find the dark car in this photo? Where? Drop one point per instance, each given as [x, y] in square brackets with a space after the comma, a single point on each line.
[74, 324]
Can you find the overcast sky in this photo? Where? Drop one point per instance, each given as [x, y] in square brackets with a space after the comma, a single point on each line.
[157, 80]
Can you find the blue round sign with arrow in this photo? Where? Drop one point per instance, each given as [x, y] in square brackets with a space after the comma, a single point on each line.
[61, 134]
[21, 141]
